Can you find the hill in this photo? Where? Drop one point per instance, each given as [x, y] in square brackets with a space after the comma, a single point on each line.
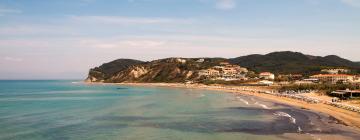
[107, 70]
[182, 69]
[162, 70]
[292, 62]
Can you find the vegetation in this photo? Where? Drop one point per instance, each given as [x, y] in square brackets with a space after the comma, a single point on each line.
[170, 70]
[109, 69]
[292, 63]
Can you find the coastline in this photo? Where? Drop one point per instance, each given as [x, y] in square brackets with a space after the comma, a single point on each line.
[346, 117]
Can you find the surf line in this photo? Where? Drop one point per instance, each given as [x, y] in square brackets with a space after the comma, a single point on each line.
[262, 105]
[291, 119]
[242, 100]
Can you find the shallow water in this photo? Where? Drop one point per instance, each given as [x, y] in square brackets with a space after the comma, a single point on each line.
[71, 110]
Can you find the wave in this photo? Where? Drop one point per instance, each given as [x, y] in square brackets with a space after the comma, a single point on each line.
[283, 114]
[299, 129]
[242, 100]
[262, 105]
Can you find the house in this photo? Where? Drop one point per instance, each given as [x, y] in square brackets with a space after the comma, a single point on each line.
[209, 72]
[200, 60]
[357, 79]
[218, 67]
[229, 71]
[267, 76]
[225, 72]
[335, 71]
[307, 81]
[333, 78]
[242, 70]
[265, 82]
[181, 60]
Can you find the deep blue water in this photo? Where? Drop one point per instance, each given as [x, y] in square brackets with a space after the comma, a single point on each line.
[74, 110]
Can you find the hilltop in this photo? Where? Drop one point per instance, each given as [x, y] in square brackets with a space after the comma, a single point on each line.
[183, 69]
[162, 70]
[107, 70]
[292, 62]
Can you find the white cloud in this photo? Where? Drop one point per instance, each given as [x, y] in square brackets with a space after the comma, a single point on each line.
[13, 59]
[354, 3]
[128, 20]
[225, 4]
[5, 11]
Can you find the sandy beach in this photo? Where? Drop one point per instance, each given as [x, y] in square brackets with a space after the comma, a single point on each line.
[346, 117]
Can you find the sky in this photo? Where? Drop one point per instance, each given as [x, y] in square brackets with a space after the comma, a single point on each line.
[63, 39]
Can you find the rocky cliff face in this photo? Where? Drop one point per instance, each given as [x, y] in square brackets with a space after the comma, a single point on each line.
[107, 70]
[163, 70]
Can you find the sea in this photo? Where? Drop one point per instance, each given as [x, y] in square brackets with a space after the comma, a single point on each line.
[73, 110]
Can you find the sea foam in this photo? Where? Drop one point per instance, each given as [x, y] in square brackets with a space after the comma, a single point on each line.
[242, 100]
[262, 105]
[283, 114]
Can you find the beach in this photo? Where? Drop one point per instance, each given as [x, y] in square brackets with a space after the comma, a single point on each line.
[60, 109]
[343, 116]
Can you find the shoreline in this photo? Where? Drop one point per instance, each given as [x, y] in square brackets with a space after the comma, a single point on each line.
[346, 117]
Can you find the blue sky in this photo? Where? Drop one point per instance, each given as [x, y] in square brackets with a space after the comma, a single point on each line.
[55, 39]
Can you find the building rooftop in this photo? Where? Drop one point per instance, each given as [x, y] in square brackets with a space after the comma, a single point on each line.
[330, 75]
[266, 73]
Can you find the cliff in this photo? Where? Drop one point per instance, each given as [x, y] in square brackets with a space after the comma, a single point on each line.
[107, 70]
[163, 70]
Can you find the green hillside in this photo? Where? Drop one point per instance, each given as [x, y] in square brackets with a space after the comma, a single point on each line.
[292, 62]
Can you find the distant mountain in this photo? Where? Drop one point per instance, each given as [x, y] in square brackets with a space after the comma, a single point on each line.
[292, 62]
[162, 70]
[182, 69]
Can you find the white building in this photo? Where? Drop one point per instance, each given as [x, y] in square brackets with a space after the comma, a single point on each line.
[266, 82]
[335, 71]
[267, 76]
[333, 78]
[209, 72]
[225, 72]
[200, 60]
[180, 60]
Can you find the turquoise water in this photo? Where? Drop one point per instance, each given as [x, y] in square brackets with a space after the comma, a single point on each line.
[73, 110]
